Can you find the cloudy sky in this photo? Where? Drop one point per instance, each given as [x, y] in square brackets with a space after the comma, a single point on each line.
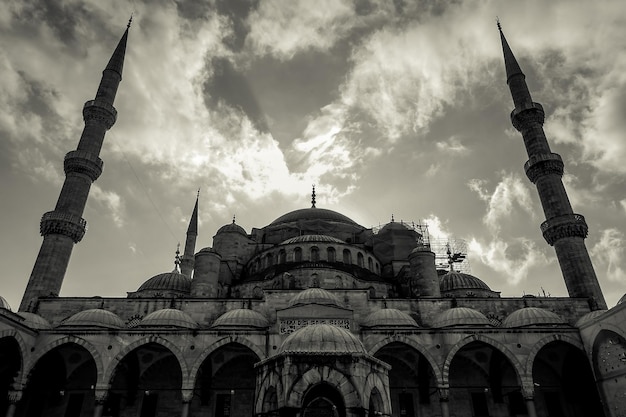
[391, 108]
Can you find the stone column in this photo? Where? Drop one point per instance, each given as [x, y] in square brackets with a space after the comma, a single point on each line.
[529, 398]
[187, 395]
[101, 398]
[14, 397]
[443, 401]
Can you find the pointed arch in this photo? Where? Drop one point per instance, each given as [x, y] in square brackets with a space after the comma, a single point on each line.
[517, 366]
[71, 339]
[111, 370]
[530, 360]
[270, 380]
[193, 371]
[437, 369]
[591, 339]
[20, 343]
[323, 374]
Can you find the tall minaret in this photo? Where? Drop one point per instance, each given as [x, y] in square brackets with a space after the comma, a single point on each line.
[64, 226]
[563, 229]
[187, 262]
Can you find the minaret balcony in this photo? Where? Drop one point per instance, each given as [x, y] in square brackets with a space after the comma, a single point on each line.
[567, 225]
[83, 162]
[99, 111]
[67, 224]
[528, 115]
[543, 164]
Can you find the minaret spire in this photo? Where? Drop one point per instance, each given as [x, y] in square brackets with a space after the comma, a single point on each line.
[563, 229]
[187, 261]
[64, 226]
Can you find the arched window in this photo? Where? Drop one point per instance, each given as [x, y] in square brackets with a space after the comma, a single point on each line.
[347, 257]
[315, 254]
[269, 260]
[370, 263]
[359, 260]
[330, 254]
[297, 255]
[282, 256]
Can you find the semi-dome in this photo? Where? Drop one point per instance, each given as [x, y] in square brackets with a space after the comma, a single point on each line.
[589, 317]
[232, 228]
[313, 213]
[168, 281]
[168, 317]
[4, 304]
[530, 316]
[454, 280]
[320, 339]
[389, 317]
[95, 317]
[34, 321]
[315, 296]
[312, 239]
[241, 317]
[461, 316]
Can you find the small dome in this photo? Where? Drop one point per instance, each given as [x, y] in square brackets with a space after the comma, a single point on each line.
[589, 317]
[312, 239]
[454, 280]
[396, 226]
[529, 316]
[313, 213]
[4, 304]
[315, 296]
[168, 281]
[35, 321]
[322, 339]
[241, 317]
[95, 317]
[388, 317]
[168, 317]
[232, 228]
[461, 316]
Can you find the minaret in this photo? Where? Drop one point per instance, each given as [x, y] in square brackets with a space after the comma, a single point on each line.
[563, 229]
[186, 264]
[64, 226]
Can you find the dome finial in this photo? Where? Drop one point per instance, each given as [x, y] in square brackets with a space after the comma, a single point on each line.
[498, 23]
[313, 197]
[130, 20]
[177, 259]
[234, 219]
[392, 219]
[450, 259]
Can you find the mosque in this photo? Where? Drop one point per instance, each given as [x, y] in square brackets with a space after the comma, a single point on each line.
[312, 315]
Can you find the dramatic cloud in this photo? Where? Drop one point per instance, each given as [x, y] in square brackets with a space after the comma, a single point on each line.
[611, 251]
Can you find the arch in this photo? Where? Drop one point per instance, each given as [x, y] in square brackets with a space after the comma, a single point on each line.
[411, 343]
[517, 366]
[360, 260]
[370, 263]
[20, 343]
[323, 374]
[111, 370]
[282, 256]
[591, 340]
[347, 257]
[331, 254]
[193, 371]
[374, 383]
[297, 254]
[269, 260]
[314, 254]
[528, 369]
[270, 379]
[95, 355]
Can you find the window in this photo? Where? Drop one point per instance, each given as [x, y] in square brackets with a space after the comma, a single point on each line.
[282, 256]
[297, 255]
[331, 255]
[370, 263]
[315, 254]
[347, 257]
[359, 259]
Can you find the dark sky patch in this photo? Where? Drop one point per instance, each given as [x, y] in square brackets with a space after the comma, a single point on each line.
[237, 11]
[193, 9]
[232, 87]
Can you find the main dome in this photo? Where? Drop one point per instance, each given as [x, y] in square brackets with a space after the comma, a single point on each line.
[313, 213]
[312, 239]
[319, 339]
[168, 281]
